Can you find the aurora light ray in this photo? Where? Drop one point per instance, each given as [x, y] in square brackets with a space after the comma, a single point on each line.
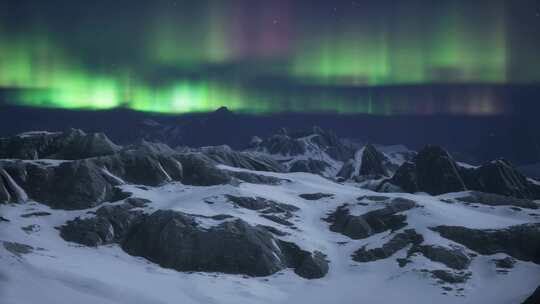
[261, 57]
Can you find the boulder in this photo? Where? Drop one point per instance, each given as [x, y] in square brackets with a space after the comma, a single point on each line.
[397, 243]
[453, 258]
[451, 277]
[372, 222]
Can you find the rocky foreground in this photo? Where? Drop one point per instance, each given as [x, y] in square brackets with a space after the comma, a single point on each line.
[296, 218]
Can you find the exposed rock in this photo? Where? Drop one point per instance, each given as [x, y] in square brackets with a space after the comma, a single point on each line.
[372, 222]
[259, 203]
[137, 202]
[35, 214]
[315, 196]
[71, 144]
[314, 166]
[374, 198]
[372, 162]
[521, 242]
[347, 170]
[505, 263]
[111, 224]
[451, 277]
[534, 298]
[142, 167]
[315, 140]
[451, 257]
[246, 160]
[405, 178]
[307, 265]
[502, 178]
[10, 190]
[18, 249]
[31, 228]
[313, 266]
[490, 199]
[277, 219]
[199, 170]
[273, 230]
[89, 232]
[71, 185]
[397, 243]
[434, 171]
[175, 240]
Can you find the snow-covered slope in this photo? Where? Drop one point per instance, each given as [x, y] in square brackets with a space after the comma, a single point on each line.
[38, 266]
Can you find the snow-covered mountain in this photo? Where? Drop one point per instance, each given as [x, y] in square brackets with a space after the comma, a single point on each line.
[149, 224]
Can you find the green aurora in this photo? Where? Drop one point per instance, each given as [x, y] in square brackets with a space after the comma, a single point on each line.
[200, 61]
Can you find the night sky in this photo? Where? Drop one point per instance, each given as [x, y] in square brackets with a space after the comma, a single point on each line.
[267, 56]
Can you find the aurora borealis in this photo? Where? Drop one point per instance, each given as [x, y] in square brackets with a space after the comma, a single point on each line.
[267, 56]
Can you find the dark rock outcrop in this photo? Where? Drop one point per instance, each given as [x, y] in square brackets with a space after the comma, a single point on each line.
[71, 185]
[314, 140]
[175, 240]
[502, 178]
[261, 204]
[397, 243]
[372, 162]
[434, 171]
[10, 191]
[111, 224]
[372, 222]
[347, 170]
[521, 242]
[451, 257]
[89, 232]
[534, 298]
[451, 277]
[490, 199]
[17, 249]
[71, 144]
[307, 265]
[505, 263]
[246, 160]
[315, 196]
[201, 171]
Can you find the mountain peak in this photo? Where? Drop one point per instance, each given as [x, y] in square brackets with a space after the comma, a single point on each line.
[223, 111]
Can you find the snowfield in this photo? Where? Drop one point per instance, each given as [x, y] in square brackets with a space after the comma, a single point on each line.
[56, 271]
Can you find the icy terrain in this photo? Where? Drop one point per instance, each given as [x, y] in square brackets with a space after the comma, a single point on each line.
[52, 270]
